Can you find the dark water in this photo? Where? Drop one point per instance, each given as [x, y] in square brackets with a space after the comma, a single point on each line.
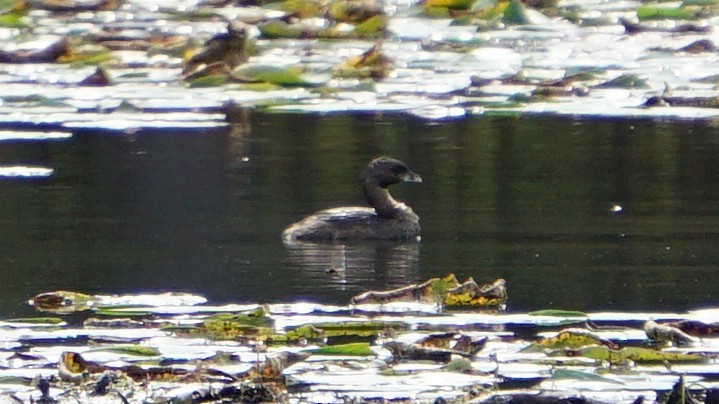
[530, 200]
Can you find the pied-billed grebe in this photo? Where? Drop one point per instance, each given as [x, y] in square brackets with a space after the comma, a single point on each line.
[387, 219]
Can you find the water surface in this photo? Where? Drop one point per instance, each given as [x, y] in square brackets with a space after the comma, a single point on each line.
[574, 214]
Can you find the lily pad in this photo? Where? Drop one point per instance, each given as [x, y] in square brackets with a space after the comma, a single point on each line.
[660, 13]
[283, 76]
[353, 349]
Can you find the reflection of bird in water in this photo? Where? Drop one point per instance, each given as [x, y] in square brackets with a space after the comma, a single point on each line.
[387, 219]
[357, 266]
[338, 270]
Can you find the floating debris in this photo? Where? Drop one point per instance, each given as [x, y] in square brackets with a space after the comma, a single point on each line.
[173, 345]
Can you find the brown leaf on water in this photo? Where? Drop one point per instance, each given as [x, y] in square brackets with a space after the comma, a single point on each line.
[696, 328]
[273, 367]
[437, 340]
[74, 367]
[414, 352]
[62, 302]
[454, 341]
[667, 333]
[99, 78]
[572, 338]
[49, 54]
[430, 291]
[373, 63]
[470, 294]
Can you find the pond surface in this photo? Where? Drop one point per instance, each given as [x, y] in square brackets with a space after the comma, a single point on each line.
[574, 214]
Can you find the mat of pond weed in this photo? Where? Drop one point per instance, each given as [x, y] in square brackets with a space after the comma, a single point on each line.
[411, 347]
[127, 65]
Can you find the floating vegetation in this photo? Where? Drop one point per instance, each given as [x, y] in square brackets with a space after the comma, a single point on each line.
[170, 344]
[422, 58]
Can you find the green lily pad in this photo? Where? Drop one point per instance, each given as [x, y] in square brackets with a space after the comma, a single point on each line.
[515, 14]
[284, 76]
[563, 374]
[36, 320]
[636, 354]
[138, 350]
[664, 13]
[353, 349]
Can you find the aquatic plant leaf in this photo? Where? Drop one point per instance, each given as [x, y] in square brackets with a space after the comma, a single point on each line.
[515, 14]
[373, 63]
[48, 54]
[437, 340]
[273, 367]
[352, 349]
[695, 328]
[25, 381]
[570, 338]
[626, 81]
[302, 8]
[86, 57]
[10, 6]
[469, 294]
[667, 332]
[281, 29]
[461, 365]
[73, 367]
[558, 313]
[36, 320]
[139, 350]
[122, 312]
[414, 352]
[431, 291]
[210, 80]
[235, 325]
[14, 19]
[449, 4]
[647, 12]
[352, 11]
[489, 9]
[360, 326]
[372, 27]
[635, 354]
[563, 374]
[62, 302]
[99, 78]
[73, 363]
[283, 76]
[308, 332]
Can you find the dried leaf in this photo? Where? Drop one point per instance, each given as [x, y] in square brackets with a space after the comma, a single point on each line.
[666, 332]
[62, 302]
[570, 339]
[430, 291]
[469, 294]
